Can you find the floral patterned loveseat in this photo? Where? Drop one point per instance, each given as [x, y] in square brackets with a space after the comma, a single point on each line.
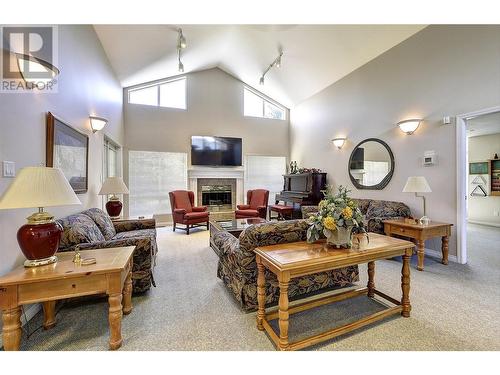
[238, 270]
[374, 212]
[93, 229]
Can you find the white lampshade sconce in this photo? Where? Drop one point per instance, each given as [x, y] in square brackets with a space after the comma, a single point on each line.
[97, 123]
[409, 126]
[339, 142]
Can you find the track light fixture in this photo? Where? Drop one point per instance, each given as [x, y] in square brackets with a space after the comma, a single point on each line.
[276, 63]
[181, 44]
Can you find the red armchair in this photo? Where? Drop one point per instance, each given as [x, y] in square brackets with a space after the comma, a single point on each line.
[184, 212]
[256, 205]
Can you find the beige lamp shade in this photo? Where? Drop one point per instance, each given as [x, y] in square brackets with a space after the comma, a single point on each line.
[39, 187]
[113, 185]
[417, 184]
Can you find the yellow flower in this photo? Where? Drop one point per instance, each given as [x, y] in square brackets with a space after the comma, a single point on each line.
[329, 223]
[322, 204]
[351, 204]
[347, 213]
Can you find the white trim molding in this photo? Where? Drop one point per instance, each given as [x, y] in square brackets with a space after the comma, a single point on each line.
[461, 144]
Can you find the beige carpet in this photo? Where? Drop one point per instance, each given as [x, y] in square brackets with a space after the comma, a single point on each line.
[455, 307]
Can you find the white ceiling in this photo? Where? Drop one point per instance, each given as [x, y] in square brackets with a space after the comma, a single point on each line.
[315, 56]
[484, 125]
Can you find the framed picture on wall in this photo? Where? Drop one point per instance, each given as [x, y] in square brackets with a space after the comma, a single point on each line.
[478, 168]
[68, 149]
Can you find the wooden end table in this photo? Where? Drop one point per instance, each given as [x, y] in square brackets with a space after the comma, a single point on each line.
[420, 233]
[112, 275]
[290, 260]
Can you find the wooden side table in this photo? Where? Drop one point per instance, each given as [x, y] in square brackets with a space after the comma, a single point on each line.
[420, 233]
[112, 275]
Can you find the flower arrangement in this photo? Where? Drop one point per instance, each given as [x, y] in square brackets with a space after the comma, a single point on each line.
[337, 216]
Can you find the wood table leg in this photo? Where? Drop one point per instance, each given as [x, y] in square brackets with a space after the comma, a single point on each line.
[11, 330]
[127, 294]
[261, 293]
[283, 313]
[405, 284]
[444, 249]
[49, 314]
[371, 278]
[115, 321]
[420, 254]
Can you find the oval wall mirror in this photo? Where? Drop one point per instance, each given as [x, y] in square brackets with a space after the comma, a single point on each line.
[371, 164]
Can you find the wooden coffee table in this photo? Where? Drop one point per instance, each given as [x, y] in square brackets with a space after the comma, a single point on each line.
[112, 275]
[297, 259]
[420, 233]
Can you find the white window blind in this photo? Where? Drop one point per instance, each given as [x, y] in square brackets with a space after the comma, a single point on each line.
[111, 158]
[151, 176]
[265, 172]
[375, 171]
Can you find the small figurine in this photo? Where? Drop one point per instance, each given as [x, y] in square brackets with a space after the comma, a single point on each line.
[496, 156]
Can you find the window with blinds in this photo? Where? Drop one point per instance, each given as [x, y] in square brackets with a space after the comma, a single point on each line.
[151, 176]
[111, 158]
[265, 172]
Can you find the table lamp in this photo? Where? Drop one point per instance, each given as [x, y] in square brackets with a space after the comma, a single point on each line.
[113, 185]
[39, 187]
[418, 184]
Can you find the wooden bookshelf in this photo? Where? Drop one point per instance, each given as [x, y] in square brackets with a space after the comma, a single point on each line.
[495, 177]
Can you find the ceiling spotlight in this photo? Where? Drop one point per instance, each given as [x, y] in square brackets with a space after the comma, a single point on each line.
[180, 68]
[181, 41]
[276, 63]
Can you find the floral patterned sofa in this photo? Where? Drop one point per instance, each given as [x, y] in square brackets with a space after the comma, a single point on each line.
[93, 229]
[374, 212]
[238, 270]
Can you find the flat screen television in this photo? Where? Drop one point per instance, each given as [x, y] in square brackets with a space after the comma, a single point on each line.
[216, 151]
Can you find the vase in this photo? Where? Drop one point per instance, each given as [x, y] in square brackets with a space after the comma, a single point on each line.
[341, 237]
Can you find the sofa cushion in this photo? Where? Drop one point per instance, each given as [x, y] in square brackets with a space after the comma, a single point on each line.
[387, 209]
[135, 233]
[103, 222]
[196, 215]
[78, 228]
[363, 204]
[247, 213]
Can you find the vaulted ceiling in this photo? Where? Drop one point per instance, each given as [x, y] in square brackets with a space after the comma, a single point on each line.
[315, 56]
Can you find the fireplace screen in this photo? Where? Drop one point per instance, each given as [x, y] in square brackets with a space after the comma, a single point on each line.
[216, 195]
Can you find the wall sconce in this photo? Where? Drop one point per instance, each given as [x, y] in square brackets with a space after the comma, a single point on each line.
[339, 142]
[97, 123]
[409, 126]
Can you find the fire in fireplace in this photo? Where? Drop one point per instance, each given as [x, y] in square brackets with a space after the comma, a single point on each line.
[216, 195]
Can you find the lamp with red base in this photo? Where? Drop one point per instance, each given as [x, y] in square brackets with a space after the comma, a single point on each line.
[112, 186]
[39, 187]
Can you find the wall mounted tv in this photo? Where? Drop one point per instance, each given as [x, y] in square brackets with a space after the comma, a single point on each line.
[216, 151]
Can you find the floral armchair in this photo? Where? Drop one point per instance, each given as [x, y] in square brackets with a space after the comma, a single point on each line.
[93, 229]
[238, 270]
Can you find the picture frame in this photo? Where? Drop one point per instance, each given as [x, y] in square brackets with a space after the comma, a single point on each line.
[478, 168]
[68, 149]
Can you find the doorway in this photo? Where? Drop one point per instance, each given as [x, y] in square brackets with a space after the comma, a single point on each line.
[474, 172]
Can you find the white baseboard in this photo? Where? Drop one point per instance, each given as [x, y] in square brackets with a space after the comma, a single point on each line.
[484, 223]
[439, 254]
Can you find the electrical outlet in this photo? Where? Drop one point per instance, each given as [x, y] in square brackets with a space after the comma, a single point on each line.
[9, 169]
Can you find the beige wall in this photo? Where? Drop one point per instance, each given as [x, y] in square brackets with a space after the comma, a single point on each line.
[483, 210]
[87, 85]
[440, 71]
[214, 107]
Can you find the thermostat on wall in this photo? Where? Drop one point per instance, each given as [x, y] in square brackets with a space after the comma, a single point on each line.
[429, 159]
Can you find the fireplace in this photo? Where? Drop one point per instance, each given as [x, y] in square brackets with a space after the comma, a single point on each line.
[219, 196]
